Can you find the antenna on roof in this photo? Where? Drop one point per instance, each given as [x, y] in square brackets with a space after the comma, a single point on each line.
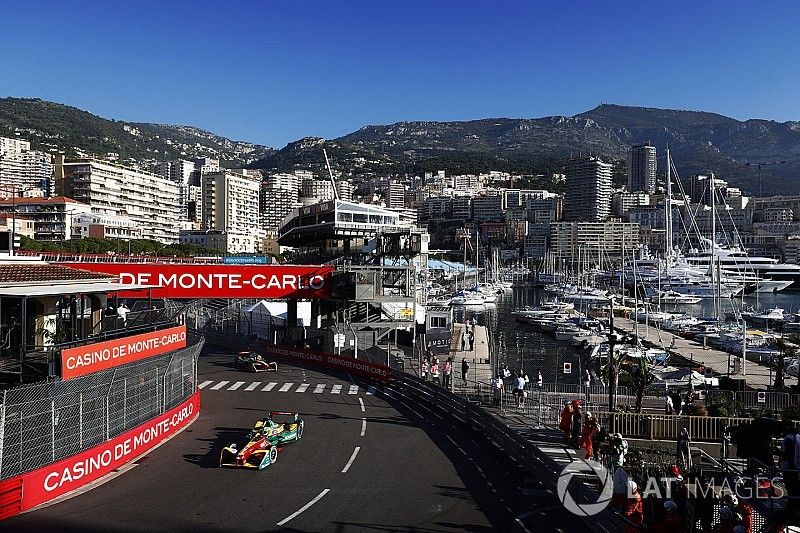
[330, 173]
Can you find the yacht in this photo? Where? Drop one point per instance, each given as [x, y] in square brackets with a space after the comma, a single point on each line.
[734, 259]
[676, 298]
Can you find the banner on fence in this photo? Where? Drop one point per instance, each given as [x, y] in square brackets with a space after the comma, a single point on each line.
[91, 358]
[218, 281]
[332, 361]
[52, 481]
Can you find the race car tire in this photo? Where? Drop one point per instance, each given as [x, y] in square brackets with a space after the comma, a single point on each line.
[273, 454]
[299, 432]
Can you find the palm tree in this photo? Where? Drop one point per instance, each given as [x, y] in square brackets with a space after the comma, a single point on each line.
[641, 377]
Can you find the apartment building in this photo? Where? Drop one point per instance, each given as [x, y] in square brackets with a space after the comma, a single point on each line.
[487, 208]
[593, 239]
[231, 204]
[588, 190]
[642, 168]
[26, 171]
[52, 217]
[274, 205]
[148, 199]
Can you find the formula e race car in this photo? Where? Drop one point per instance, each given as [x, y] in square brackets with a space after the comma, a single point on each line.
[254, 362]
[263, 442]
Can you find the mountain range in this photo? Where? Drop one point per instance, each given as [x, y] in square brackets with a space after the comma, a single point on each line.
[759, 156]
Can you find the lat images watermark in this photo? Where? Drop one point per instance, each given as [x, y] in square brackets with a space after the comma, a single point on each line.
[594, 468]
[656, 487]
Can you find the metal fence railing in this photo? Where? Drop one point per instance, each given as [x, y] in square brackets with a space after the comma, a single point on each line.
[47, 421]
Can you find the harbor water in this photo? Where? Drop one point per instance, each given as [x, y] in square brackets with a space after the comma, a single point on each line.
[520, 346]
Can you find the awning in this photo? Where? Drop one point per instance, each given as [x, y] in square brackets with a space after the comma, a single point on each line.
[73, 287]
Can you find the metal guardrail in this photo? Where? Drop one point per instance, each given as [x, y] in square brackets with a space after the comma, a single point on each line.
[519, 449]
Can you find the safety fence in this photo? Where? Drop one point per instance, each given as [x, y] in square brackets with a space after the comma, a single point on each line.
[47, 421]
[514, 444]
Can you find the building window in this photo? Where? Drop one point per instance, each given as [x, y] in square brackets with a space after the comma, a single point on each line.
[438, 322]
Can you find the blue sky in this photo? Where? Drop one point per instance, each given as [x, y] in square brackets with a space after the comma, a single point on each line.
[272, 72]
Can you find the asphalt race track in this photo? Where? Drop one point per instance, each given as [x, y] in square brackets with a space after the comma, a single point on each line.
[414, 470]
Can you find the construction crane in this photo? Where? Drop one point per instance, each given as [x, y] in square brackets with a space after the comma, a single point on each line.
[759, 166]
[330, 173]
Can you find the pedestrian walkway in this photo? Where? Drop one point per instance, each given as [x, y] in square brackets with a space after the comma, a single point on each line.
[292, 387]
[479, 358]
[757, 376]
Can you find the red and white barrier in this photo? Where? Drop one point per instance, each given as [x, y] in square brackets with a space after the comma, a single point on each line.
[42, 485]
[335, 362]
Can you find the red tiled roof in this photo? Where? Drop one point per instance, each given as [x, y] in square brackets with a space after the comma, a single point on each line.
[40, 200]
[44, 272]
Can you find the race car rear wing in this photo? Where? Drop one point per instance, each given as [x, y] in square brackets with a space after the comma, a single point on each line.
[285, 413]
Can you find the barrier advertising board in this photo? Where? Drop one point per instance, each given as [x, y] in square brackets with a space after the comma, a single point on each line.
[90, 358]
[335, 362]
[52, 481]
[175, 280]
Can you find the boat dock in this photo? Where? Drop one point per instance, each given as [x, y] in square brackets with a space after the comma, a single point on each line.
[756, 375]
[479, 358]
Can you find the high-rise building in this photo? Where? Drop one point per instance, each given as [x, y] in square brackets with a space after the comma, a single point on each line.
[178, 170]
[23, 169]
[287, 181]
[274, 205]
[395, 194]
[486, 208]
[345, 190]
[642, 168]
[588, 194]
[318, 190]
[149, 200]
[230, 203]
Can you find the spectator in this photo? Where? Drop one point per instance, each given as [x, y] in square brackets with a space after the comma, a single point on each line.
[447, 372]
[527, 380]
[474, 322]
[471, 341]
[464, 370]
[672, 521]
[463, 341]
[566, 421]
[577, 422]
[435, 372]
[424, 370]
[498, 390]
[587, 379]
[677, 401]
[519, 389]
[590, 429]
[632, 508]
[539, 380]
[122, 312]
[668, 406]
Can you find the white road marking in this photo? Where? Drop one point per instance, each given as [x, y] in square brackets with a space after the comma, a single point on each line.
[388, 392]
[236, 385]
[220, 385]
[352, 458]
[285, 387]
[336, 389]
[302, 387]
[361, 401]
[353, 389]
[269, 386]
[363, 426]
[371, 390]
[253, 386]
[319, 388]
[305, 507]
[205, 384]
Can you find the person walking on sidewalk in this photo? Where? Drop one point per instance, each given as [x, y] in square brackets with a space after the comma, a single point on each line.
[463, 340]
[464, 370]
[471, 341]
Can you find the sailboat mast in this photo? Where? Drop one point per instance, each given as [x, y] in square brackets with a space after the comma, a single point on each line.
[668, 207]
